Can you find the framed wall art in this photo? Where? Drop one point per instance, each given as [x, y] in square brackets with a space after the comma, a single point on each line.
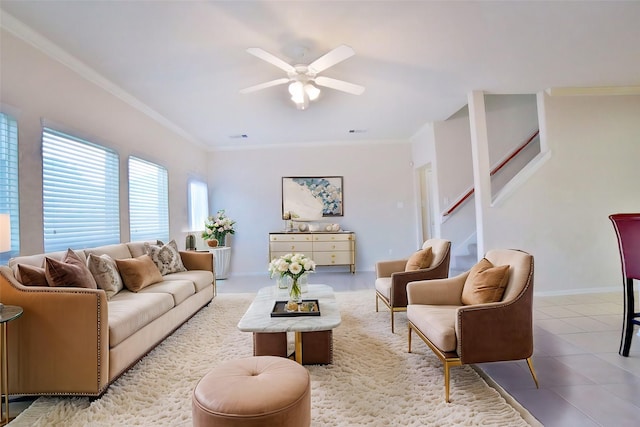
[308, 198]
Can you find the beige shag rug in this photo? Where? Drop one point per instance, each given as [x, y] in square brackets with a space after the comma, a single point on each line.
[372, 382]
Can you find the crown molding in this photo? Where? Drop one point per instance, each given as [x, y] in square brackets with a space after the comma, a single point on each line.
[37, 40]
[593, 91]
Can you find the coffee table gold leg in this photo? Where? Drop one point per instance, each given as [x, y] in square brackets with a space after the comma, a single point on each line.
[298, 344]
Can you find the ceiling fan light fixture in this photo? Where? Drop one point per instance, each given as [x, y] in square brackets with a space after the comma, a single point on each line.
[296, 89]
[312, 91]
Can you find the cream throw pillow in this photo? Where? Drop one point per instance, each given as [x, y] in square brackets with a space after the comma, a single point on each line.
[485, 283]
[138, 273]
[166, 257]
[105, 272]
[419, 260]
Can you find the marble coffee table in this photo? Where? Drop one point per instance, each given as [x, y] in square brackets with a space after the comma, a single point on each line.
[258, 318]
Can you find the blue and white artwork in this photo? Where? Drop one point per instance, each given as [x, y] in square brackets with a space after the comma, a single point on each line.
[310, 198]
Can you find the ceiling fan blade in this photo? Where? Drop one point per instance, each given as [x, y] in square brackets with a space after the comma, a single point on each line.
[270, 58]
[265, 85]
[339, 85]
[331, 58]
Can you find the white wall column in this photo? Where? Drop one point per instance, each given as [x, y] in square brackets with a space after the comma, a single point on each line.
[481, 165]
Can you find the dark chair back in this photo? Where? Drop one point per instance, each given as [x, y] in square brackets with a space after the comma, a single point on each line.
[627, 227]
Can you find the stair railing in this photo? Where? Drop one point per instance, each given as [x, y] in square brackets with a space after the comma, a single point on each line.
[467, 195]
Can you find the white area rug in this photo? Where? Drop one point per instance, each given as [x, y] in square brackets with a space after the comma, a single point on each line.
[373, 380]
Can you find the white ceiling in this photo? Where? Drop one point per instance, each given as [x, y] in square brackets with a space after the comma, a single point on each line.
[418, 60]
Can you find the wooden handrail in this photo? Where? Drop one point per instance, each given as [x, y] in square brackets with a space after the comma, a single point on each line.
[497, 168]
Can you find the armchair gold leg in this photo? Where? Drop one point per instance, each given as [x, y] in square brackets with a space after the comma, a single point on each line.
[409, 337]
[376, 303]
[392, 322]
[533, 371]
[447, 377]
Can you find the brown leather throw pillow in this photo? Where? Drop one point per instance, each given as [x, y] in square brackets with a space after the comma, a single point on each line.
[485, 283]
[419, 260]
[138, 273]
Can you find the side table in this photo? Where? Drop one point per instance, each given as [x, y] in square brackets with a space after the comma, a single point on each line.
[7, 314]
[222, 258]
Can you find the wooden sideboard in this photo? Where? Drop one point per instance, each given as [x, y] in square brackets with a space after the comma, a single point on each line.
[325, 248]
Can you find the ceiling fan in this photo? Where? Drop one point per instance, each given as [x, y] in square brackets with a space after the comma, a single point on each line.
[303, 77]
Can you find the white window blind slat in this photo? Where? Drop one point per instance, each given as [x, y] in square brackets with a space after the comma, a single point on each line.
[80, 193]
[148, 201]
[9, 196]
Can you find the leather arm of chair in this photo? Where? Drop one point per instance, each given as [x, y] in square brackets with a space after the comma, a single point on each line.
[495, 331]
[387, 268]
[194, 260]
[437, 291]
[60, 344]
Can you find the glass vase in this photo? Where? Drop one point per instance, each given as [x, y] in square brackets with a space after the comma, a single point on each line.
[295, 293]
[283, 282]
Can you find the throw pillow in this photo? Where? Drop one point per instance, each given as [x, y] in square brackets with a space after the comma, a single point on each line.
[105, 272]
[166, 257]
[71, 271]
[485, 283]
[138, 273]
[30, 275]
[419, 260]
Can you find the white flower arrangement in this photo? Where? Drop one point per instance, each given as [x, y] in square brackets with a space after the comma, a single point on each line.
[292, 265]
[218, 226]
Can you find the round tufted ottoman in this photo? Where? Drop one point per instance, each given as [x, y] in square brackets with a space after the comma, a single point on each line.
[251, 392]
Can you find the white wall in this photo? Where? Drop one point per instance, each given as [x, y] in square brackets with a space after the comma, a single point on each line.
[378, 197]
[561, 214]
[35, 87]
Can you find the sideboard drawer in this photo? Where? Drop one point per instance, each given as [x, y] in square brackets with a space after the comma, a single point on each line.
[289, 237]
[295, 246]
[333, 258]
[332, 246]
[332, 237]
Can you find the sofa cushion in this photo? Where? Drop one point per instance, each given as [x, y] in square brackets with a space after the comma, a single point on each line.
[485, 283]
[166, 257]
[419, 260]
[70, 271]
[180, 290]
[29, 275]
[436, 322]
[139, 272]
[199, 278]
[116, 251]
[105, 272]
[129, 312]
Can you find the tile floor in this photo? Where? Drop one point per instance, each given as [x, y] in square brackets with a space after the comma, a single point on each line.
[583, 380]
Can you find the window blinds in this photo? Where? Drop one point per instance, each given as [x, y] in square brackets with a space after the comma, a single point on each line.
[148, 201]
[80, 193]
[9, 200]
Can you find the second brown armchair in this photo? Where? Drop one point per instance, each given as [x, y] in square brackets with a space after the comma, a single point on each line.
[392, 276]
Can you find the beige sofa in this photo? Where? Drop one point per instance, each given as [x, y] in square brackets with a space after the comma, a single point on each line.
[75, 341]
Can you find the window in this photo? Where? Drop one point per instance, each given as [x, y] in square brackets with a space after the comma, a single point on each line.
[80, 193]
[198, 204]
[148, 201]
[9, 201]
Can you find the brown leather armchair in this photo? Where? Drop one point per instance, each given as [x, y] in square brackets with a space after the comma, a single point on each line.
[461, 334]
[392, 279]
